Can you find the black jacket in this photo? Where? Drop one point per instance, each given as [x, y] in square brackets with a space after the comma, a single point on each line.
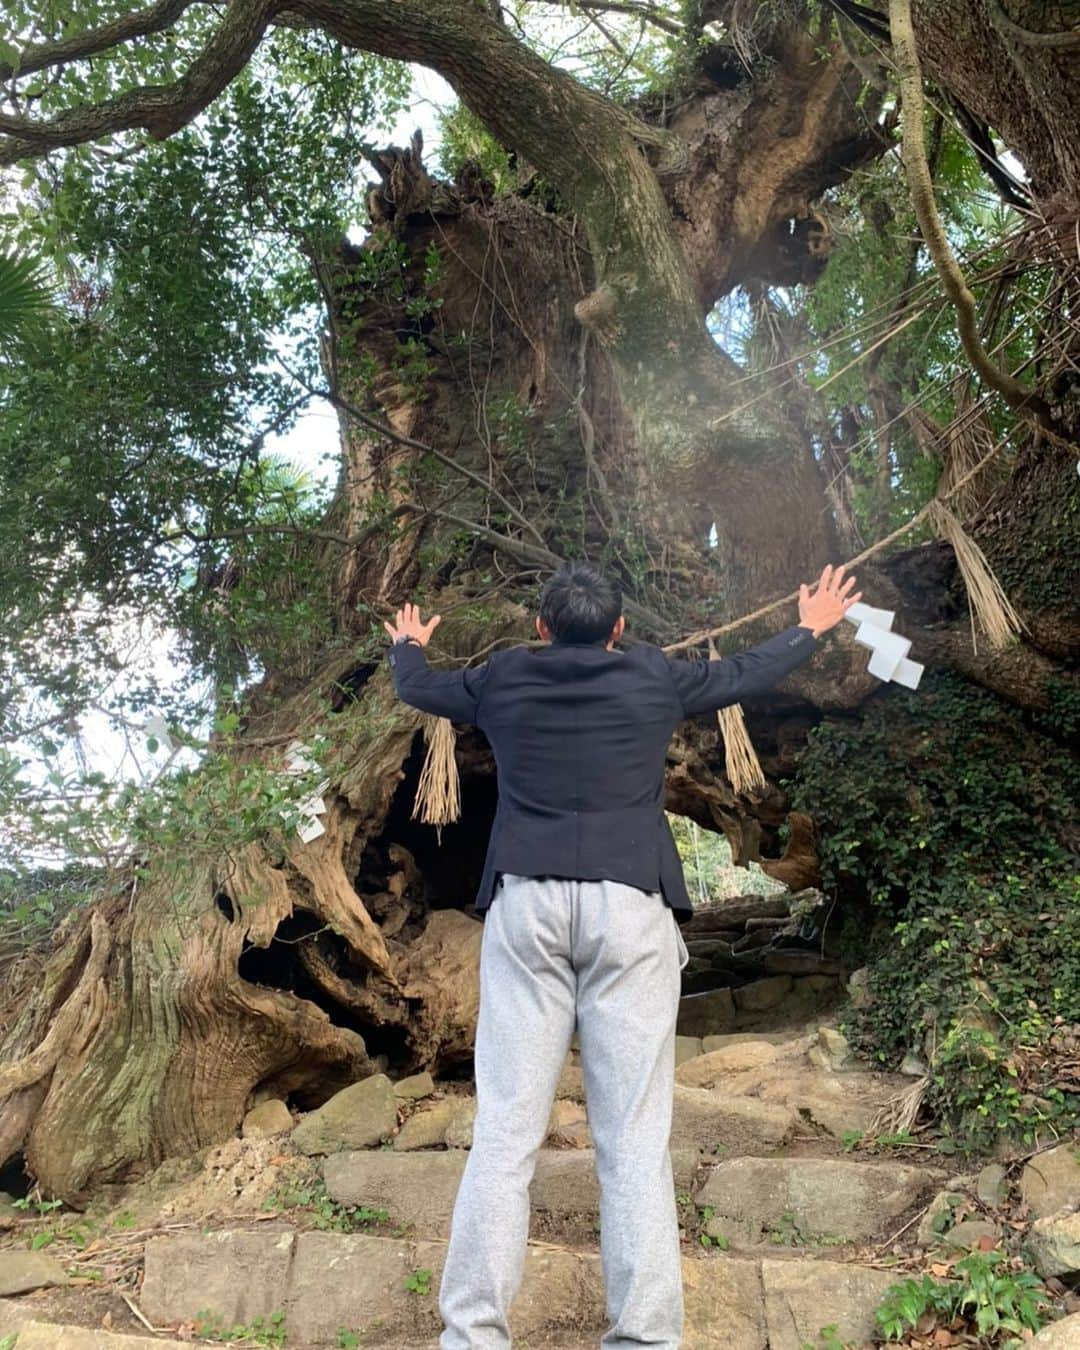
[580, 737]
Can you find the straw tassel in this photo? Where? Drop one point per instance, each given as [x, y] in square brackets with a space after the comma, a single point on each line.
[991, 610]
[438, 793]
[740, 758]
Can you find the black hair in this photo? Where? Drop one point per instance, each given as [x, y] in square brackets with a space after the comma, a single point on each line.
[580, 604]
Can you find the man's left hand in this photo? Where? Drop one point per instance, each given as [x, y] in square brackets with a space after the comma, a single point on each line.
[407, 623]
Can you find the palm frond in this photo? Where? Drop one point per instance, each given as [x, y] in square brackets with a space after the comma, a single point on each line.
[25, 298]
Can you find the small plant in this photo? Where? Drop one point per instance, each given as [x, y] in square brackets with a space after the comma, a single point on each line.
[419, 1282]
[707, 1240]
[903, 1139]
[41, 1207]
[828, 1338]
[986, 1293]
[8, 1342]
[850, 1140]
[269, 1331]
[348, 1340]
[327, 1215]
[787, 1232]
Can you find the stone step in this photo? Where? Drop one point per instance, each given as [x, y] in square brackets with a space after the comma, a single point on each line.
[800, 1202]
[326, 1283]
[40, 1335]
[418, 1188]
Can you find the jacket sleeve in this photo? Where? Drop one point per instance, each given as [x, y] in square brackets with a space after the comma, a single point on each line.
[704, 686]
[447, 693]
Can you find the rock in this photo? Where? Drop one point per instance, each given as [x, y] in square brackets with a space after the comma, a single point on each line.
[416, 1189]
[460, 1126]
[696, 965]
[8, 1213]
[911, 1066]
[735, 912]
[970, 1234]
[832, 1051]
[1055, 1244]
[804, 1199]
[940, 1215]
[35, 1335]
[724, 1305]
[360, 1116]
[236, 1274]
[708, 948]
[22, 1271]
[706, 981]
[269, 1117]
[568, 1125]
[1063, 1335]
[708, 1069]
[990, 1185]
[413, 1089]
[705, 1014]
[710, 1043]
[837, 1103]
[356, 1281]
[686, 1047]
[1051, 1180]
[763, 994]
[565, 1183]
[571, 1083]
[713, 1121]
[802, 1297]
[858, 988]
[427, 1128]
[800, 963]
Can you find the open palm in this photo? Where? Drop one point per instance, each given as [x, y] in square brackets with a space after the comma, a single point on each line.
[408, 623]
[826, 606]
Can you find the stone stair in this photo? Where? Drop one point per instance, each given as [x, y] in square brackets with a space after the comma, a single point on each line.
[760, 1170]
[328, 1282]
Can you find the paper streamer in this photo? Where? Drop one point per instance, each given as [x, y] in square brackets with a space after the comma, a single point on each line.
[298, 761]
[888, 650]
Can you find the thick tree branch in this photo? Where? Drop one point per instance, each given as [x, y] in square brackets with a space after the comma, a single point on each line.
[159, 110]
[140, 23]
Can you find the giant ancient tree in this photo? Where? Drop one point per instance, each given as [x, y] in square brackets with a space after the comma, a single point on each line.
[521, 356]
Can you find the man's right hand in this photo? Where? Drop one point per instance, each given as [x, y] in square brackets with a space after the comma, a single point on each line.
[830, 601]
[407, 623]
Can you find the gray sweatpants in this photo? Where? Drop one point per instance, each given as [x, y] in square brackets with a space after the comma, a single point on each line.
[606, 958]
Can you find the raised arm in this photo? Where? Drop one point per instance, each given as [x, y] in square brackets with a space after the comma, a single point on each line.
[448, 693]
[705, 686]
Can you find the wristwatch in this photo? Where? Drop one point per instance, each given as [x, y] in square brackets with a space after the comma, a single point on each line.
[407, 637]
